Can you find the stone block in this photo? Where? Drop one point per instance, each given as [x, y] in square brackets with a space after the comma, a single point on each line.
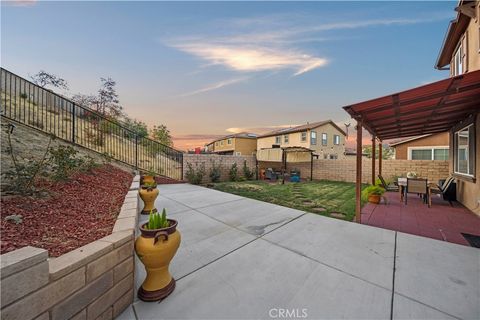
[123, 269]
[118, 238]
[82, 315]
[106, 315]
[77, 258]
[121, 304]
[22, 283]
[21, 259]
[107, 300]
[123, 224]
[83, 297]
[43, 316]
[108, 261]
[41, 300]
[129, 205]
[125, 213]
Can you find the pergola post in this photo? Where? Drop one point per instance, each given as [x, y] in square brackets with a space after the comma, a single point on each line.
[373, 159]
[358, 180]
[380, 156]
[311, 166]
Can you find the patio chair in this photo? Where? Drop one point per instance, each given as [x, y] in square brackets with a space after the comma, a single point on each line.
[387, 187]
[418, 186]
[447, 189]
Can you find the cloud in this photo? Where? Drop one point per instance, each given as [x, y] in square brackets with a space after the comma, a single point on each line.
[214, 86]
[253, 58]
[260, 130]
[20, 3]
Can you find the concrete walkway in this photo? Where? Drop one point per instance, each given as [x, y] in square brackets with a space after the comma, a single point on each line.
[246, 259]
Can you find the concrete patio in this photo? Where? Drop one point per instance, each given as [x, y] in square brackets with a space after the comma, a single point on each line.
[246, 259]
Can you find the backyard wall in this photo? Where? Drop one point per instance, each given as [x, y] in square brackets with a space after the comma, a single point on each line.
[95, 281]
[224, 161]
[345, 170]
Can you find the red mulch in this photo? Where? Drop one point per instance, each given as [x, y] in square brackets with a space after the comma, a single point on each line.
[166, 180]
[77, 212]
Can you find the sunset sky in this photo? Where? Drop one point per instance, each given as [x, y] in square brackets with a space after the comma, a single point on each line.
[210, 69]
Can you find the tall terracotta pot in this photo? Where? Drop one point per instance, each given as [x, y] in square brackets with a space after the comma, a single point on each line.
[156, 248]
[148, 195]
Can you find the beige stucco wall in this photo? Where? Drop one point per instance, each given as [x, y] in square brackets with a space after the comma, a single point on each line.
[473, 47]
[296, 141]
[246, 146]
[468, 193]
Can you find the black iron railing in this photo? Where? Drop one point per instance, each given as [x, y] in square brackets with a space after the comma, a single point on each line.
[27, 103]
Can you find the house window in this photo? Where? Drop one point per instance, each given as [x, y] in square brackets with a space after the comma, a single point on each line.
[285, 138]
[336, 139]
[428, 153]
[278, 140]
[333, 157]
[238, 153]
[229, 141]
[313, 138]
[324, 139]
[304, 136]
[221, 143]
[457, 67]
[216, 144]
[464, 155]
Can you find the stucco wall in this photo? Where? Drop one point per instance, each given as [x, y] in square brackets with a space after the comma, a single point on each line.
[440, 139]
[473, 48]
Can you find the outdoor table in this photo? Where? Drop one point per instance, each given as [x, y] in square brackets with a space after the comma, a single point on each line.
[402, 184]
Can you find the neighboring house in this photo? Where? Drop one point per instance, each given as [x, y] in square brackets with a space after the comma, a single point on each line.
[325, 138]
[461, 46]
[235, 144]
[424, 147]
[352, 153]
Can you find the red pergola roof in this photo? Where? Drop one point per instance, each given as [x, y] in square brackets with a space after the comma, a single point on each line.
[432, 108]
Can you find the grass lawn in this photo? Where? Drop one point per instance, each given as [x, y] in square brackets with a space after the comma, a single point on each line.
[321, 197]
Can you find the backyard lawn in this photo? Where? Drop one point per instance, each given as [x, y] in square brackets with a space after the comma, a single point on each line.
[329, 198]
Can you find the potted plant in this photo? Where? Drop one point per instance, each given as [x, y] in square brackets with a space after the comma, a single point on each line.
[149, 177]
[156, 247]
[373, 194]
[148, 193]
[411, 175]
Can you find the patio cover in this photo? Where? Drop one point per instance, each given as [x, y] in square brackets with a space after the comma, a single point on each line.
[432, 108]
[294, 154]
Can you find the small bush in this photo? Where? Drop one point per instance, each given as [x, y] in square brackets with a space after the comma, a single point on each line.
[195, 176]
[64, 162]
[36, 123]
[23, 96]
[88, 163]
[233, 173]
[215, 172]
[247, 172]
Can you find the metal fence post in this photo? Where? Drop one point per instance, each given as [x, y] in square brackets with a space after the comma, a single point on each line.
[74, 113]
[136, 151]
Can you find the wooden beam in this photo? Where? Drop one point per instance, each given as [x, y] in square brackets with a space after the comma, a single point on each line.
[373, 159]
[380, 151]
[358, 180]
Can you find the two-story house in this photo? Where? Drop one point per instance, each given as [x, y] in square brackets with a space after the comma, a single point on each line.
[235, 144]
[325, 138]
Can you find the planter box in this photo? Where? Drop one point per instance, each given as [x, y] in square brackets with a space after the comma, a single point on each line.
[96, 280]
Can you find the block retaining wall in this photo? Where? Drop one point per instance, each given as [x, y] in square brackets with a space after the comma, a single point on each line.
[345, 170]
[95, 281]
[225, 162]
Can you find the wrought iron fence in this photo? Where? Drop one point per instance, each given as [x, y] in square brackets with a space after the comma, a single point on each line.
[27, 103]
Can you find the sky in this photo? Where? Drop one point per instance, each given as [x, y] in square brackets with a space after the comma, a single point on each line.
[207, 69]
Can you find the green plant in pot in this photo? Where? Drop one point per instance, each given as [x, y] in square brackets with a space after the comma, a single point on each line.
[373, 194]
[156, 247]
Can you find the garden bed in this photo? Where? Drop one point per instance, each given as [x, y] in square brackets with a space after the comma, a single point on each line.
[75, 212]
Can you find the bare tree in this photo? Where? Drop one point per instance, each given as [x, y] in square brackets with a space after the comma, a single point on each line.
[44, 79]
[107, 101]
[84, 100]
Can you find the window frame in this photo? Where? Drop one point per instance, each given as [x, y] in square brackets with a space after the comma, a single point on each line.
[430, 148]
[324, 140]
[278, 139]
[336, 136]
[457, 59]
[313, 140]
[229, 141]
[286, 138]
[471, 142]
[303, 136]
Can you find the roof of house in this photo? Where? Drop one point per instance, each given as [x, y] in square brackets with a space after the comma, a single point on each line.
[300, 128]
[402, 141]
[455, 30]
[245, 135]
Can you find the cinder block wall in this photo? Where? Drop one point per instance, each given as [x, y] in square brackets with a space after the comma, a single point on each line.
[345, 170]
[224, 161]
[95, 281]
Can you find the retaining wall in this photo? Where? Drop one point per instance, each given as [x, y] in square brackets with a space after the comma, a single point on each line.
[95, 281]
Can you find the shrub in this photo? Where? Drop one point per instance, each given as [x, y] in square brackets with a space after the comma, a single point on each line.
[23, 96]
[233, 173]
[64, 162]
[215, 172]
[157, 221]
[195, 176]
[88, 163]
[247, 172]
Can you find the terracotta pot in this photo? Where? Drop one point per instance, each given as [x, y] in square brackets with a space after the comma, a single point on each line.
[156, 248]
[147, 179]
[148, 195]
[374, 198]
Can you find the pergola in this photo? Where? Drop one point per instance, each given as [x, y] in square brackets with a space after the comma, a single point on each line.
[432, 108]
